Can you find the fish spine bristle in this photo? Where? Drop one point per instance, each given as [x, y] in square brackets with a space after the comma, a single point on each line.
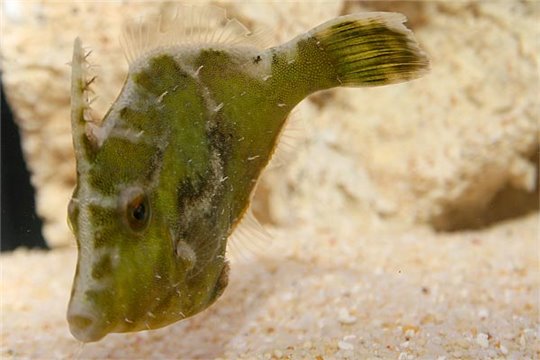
[194, 26]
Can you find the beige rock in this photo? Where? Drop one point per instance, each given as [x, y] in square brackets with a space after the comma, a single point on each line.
[443, 150]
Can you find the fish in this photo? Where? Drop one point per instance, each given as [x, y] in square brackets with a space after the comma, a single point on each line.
[167, 176]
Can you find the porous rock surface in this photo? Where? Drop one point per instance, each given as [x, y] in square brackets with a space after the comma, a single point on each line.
[439, 150]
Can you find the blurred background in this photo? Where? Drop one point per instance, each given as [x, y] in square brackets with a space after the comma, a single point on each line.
[457, 149]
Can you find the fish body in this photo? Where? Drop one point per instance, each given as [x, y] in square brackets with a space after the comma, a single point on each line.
[166, 177]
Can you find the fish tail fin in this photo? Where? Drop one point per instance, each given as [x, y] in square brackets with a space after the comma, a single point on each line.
[371, 49]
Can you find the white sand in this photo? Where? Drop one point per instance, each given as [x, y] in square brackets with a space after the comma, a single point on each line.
[319, 293]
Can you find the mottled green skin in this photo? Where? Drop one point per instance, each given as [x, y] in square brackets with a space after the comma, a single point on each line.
[206, 135]
[244, 135]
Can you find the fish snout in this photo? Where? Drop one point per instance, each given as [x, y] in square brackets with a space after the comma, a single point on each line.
[85, 326]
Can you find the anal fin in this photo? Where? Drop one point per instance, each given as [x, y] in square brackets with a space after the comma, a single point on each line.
[249, 238]
[291, 137]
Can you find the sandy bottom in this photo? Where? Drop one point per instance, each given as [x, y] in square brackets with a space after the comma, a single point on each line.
[317, 294]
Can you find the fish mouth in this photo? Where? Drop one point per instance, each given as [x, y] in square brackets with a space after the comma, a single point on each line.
[85, 327]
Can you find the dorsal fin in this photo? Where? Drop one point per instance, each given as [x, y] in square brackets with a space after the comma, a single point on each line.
[82, 122]
[186, 25]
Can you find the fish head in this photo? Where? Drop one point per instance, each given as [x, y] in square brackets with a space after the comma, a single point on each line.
[129, 276]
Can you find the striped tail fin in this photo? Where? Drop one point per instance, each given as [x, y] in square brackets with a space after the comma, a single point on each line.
[371, 49]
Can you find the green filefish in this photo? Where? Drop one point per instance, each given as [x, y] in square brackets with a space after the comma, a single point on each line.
[167, 175]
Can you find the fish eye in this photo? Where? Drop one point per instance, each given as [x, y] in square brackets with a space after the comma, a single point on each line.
[135, 207]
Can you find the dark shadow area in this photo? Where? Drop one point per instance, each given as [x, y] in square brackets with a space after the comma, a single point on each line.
[509, 203]
[19, 223]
